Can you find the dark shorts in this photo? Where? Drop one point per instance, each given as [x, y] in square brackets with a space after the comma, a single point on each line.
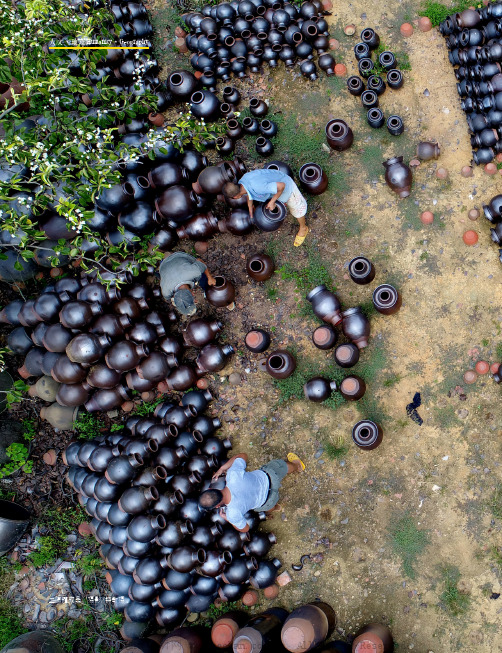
[276, 471]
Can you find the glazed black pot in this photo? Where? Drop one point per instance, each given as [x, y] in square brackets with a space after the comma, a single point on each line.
[369, 99]
[269, 219]
[110, 325]
[325, 304]
[205, 104]
[386, 299]
[176, 203]
[14, 520]
[86, 348]
[185, 558]
[395, 125]
[367, 434]
[154, 367]
[266, 573]
[339, 135]
[257, 341]
[182, 84]
[398, 176]
[366, 67]
[281, 166]
[259, 544]
[280, 364]
[376, 84]
[375, 118]
[356, 326]
[176, 580]
[56, 338]
[258, 107]
[168, 503]
[204, 536]
[126, 355]
[263, 146]
[122, 469]
[197, 399]
[319, 389]
[144, 528]
[355, 85]
[352, 388]
[250, 125]
[371, 38]
[116, 199]
[231, 95]
[313, 178]
[361, 270]
[394, 79]
[135, 501]
[174, 534]
[327, 64]
[213, 358]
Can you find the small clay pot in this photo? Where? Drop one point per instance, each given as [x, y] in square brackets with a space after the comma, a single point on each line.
[386, 299]
[324, 337]
[361, 270]
[352, 388]
[356, 326]
[313, 179]
[355, 85]
[260, 267]
[339, 135]
[319, 389]
[325, 304]
[367, 435]
[426, 151]
[258, 108]
[346, 355]
[398, 176]
[222, 293]
[257, 341]
[280, 364]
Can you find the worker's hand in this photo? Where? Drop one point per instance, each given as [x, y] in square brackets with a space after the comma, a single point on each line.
[270, 205]
[217, 475]
[211, 281]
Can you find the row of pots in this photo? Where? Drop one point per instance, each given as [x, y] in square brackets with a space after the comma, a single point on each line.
[248, 36]
[473, 38]
[165, 554]
[93, 346]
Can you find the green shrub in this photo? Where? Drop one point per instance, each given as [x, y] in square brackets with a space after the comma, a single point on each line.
[10, 623]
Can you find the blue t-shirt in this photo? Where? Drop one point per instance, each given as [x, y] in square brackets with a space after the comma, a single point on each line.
[261, 185]
[249, 490]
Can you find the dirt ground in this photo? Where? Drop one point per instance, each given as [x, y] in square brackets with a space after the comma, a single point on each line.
[440, 476]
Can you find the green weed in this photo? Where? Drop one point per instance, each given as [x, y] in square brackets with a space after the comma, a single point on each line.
[408, 542]
[335, 451]
[371, 159]
[446, 417]
[455, 602]
[215, 612]
[292, 387]
[308, 276]
[370, 369]
[89, 564]
[87, 426]
[300, 140]
[391, 381]
[18, 452]
[498, 351]
[495, 502]
[147, 407]
[437, 12]
[11, 625]
[496, 555]
[272, 293]
[485, 342]
[60, 522]
[368, 308]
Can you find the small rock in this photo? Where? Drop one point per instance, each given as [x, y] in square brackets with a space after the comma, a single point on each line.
[235, 378]
[345, 521]
[50, 457]
[51, 615]
[193, 616]
[36, 612]
[283, 579]
[24, 584]
[462, 413]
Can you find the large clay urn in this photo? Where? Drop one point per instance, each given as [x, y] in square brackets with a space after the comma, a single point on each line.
[176, 203]
[307, 627]
[155, 367]
[64, 371]
[182, 84]
[373, 637]
[77, 314]
[280, 364]
[260, 267]
[87, 348]
[222, 293]
[212, 179]
[181, 378]
[73, 394]
[269, 219]
[398, 176]
[107, 399]
[186, 558]
[215, 563]
[111, 325]
[213, 358]
[201, 227]
[325, 305]
[313, 179]
[259, 544]
[167, 174]
[136, 500]
[238, 222]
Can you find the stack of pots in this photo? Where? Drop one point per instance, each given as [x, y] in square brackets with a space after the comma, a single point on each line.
[92, 346]
[474, 40]
[229, 38]
[307, 628]
[141, 486]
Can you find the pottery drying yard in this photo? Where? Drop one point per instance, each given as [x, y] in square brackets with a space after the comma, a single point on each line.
[409, 534]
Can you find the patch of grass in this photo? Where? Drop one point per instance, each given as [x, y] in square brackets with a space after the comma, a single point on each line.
[408, 542]
[371, 159]
[496, 555]
[301, 140]
[370, 369]
[60, 522]
[446, 417]
[455, 602]
[272, 293]
[87, 426]
[410, 215]
[368, 308]
[403, 60]
[147, 407]
[213, 613]
[391, 381]
[308, 276]
[292, 387]
[89, 564]
[485, 342]
[336, 450]
[498, 351]
[11, 625]
[495, 502]
[370, 408]
[437, 12]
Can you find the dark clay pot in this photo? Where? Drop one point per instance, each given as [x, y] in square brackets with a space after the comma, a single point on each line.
[266, 574]
[200, 332]
[239, 571]
[355, 85]
[280, 364]
[280, 166]
[356, 326]
[204, 536]
[263, 146]
[181, 378]
[143, 333]
[313, 179]
[367, 434]
[324, 337]
[352, 388]
[215, 563]
[197, 399]
[398, 176]
[260, 267]
[259, 544]
[137, 500]
[18, 341]
[47, 306]
[176, 203]
[126, 355]
[107, 399]
[144, 528]
[200, 227]
[269, 219]
[250, 125]
[111, 325]
[222, 293]
[319, 389]
[238, 223]
[116, 199]
[57, 338]
[257, 341]
[64, 371]
[213, 178]
[213, 358]
[73, 394]
[307, 627]
[426, 151]
[394, 79]
[205, 104]
[167, 174]
[258, 108]
[86, 348]
[339, 135]
[361, 270]
[327, 64]
[185, 558]
[386, 299]
[205, 425]
[122, 469]
[346, 355]
[325, 304]
[154, 367]
[182, 84]
[174, 534]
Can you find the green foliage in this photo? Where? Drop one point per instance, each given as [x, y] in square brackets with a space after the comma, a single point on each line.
[90, 626]
[371, 368]
[272, 293]
[292, 387]
[495, 502]
[371, 159]
[391, 381]
[368, 308]
[19, 388]
[302, 142]
[408, 542]
[437, 12]
[11, 625]
[18, 452]
[89, 564]
[498, 351]
[86, 426]
[310, 275]
[455, 602]
[336, 450]
[147, 407]
[60, 522]
[215, 612]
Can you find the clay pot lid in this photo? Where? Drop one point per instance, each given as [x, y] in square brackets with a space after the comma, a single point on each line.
[344, 353]
[349, 385]
[322, 335]
[368, 643]
[254, 338]
[175, 645]
[222, 634]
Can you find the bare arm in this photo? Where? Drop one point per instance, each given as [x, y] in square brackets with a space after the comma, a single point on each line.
[250, 207]
[280, 188]
[241, 530]
[210, 279]
[229, 464]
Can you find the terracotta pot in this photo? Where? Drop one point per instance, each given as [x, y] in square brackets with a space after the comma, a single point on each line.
[386, 299]
[325, 304]
[280, 364]
[347, 355]
[339, 135]
[319, 389]
[367, 434]
[306, 627]
[226, 628]
[373, 637]
[260, 267]
[398, 176]
[324, 337]
[59, 417]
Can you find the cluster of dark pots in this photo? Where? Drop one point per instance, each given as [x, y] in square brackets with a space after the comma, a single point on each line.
[473, 38]
[141, 486]
[375, 85]
[232, 37]
[306, 628]
[91, 346]
[493, 213]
